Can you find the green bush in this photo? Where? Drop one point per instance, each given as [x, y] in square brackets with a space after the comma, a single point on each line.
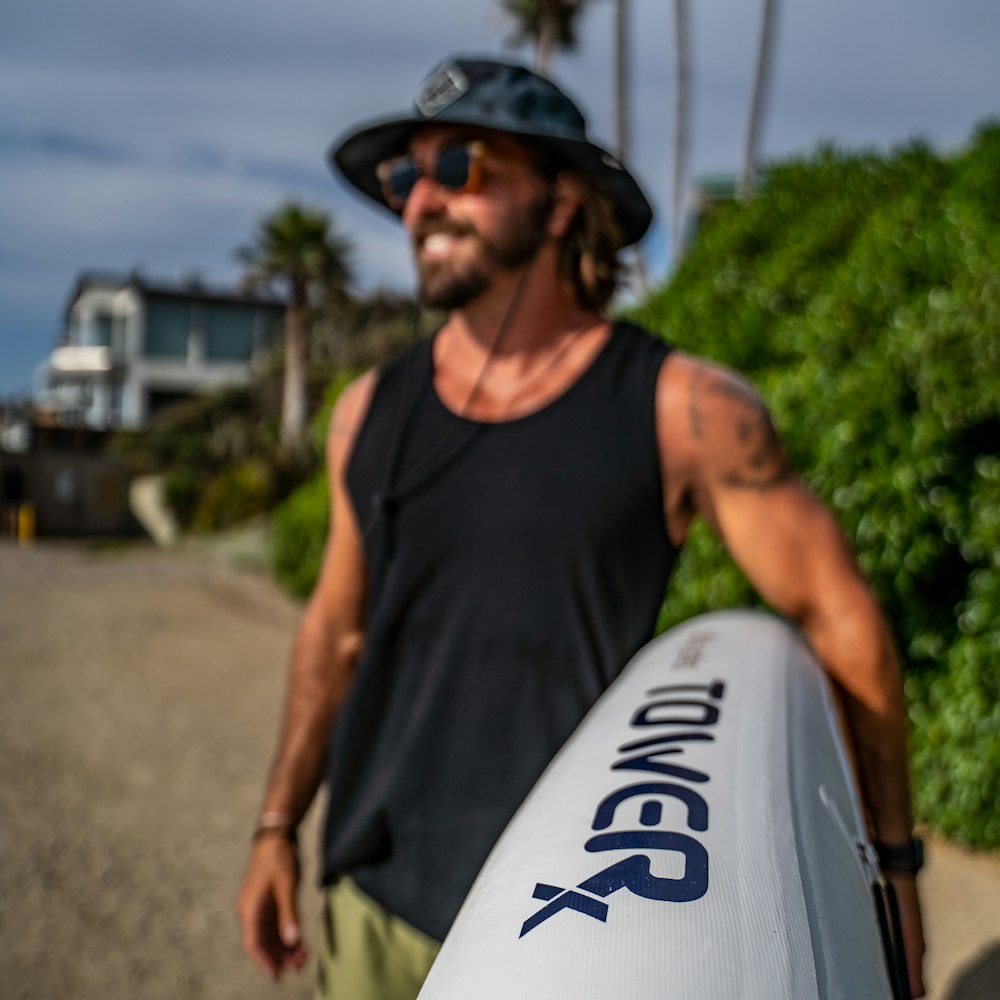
[299, 526]
[220, 455]
[298, 536]
[182, 487]
[861, 294]
[234, 494]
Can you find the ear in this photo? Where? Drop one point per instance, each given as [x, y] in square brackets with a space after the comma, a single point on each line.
[566, 201]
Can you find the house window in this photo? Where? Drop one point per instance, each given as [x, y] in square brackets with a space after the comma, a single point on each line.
[168, 326]
[228, 333]
[117, 403]
[118, 334]
[97, 333]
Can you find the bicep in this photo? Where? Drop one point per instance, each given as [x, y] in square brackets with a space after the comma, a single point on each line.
[791, 549]
[716, 439]
[796, 556]
[338, 599]
[724, 461]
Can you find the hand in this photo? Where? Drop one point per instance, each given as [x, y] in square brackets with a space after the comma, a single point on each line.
[913, 930]
[267, 908]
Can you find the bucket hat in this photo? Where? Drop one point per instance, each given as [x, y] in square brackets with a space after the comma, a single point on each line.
[502, 97]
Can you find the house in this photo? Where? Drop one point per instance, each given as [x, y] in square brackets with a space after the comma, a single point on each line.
[132, 346]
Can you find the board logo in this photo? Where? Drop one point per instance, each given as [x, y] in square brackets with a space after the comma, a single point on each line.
[681, 714]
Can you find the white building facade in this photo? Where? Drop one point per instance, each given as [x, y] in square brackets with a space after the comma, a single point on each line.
[132, 347]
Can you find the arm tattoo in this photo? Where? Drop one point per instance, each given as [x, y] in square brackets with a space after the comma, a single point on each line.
[754, 458]
[698, 378]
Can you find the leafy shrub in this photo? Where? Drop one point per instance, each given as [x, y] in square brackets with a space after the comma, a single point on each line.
[182, 487]
[220, 455]
[234, 494]
[298, 536]
[862, 295]
[299, 526]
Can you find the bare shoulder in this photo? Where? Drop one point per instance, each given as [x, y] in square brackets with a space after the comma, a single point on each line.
[348, 414]
[340, 586]
[352, 404]
[714, 428]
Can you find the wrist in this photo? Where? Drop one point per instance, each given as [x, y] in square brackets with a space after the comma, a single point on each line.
[905, 857]
[275, 825]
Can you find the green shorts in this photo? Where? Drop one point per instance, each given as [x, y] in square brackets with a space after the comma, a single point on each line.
[367, 953]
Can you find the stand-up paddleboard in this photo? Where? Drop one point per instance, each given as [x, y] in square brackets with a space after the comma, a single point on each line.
[697, 838]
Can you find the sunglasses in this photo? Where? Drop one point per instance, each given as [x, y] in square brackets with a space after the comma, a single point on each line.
[457, 169]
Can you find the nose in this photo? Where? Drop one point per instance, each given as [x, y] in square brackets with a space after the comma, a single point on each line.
[425, 199]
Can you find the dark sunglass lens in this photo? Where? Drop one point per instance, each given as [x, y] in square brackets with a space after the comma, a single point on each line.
[401, 177]
[453, 168]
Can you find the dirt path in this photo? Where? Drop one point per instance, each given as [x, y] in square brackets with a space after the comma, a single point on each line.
[140, 697]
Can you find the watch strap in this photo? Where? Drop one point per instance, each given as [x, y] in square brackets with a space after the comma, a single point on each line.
[906, 858]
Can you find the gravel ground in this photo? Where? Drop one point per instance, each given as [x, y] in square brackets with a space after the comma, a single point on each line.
[140, 697]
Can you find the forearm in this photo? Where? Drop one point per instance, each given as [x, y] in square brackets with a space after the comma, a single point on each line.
[322, 663]
[853, 643]
[859, 654]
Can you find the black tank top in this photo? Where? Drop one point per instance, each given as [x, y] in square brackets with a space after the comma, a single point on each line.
[515, 568]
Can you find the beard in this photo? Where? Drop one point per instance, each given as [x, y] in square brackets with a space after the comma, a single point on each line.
[452, 284]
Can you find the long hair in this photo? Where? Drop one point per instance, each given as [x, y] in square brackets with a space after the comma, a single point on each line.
[589, 265]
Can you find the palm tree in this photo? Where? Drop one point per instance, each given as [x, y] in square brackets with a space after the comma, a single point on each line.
[296, 249]
[682, 106]
[623, 109]
[623, 69]
[547, 24]
[758, 101]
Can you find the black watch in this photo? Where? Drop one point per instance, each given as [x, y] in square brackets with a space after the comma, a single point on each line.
[906, 858]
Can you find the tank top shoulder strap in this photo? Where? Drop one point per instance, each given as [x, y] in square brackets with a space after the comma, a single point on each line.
[400, 378]
[639, 346]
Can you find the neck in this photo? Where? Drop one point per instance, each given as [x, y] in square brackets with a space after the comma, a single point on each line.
[522, 312]
[516, 347]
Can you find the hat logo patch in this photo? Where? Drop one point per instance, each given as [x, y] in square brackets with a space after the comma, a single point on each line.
[445, 87]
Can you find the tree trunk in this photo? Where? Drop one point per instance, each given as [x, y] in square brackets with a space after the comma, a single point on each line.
[758, 101]
[623, 97]
[548, 31]
[293, 400]
[682, 104]
[623, 111]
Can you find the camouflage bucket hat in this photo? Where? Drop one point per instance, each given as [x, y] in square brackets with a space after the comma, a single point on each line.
[506, 98]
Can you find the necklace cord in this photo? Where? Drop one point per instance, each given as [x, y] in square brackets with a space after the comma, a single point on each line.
[386, 502]
[388, 498]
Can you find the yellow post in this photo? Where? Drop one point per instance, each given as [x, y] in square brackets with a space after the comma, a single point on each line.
[26, 524]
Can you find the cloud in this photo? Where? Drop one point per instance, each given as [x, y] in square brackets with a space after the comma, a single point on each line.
[57, 144]
[158, 132]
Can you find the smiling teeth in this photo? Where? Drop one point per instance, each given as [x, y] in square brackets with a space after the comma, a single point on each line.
[437, 242]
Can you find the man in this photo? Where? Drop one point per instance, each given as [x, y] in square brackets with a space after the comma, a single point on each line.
[507, 503]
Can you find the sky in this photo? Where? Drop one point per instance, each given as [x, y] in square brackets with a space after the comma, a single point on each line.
[154, 134]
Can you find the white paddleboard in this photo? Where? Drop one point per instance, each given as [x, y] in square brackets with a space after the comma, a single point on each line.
[697, 838]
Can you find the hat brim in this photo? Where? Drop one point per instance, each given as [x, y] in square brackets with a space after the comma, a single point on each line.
[357, 155]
